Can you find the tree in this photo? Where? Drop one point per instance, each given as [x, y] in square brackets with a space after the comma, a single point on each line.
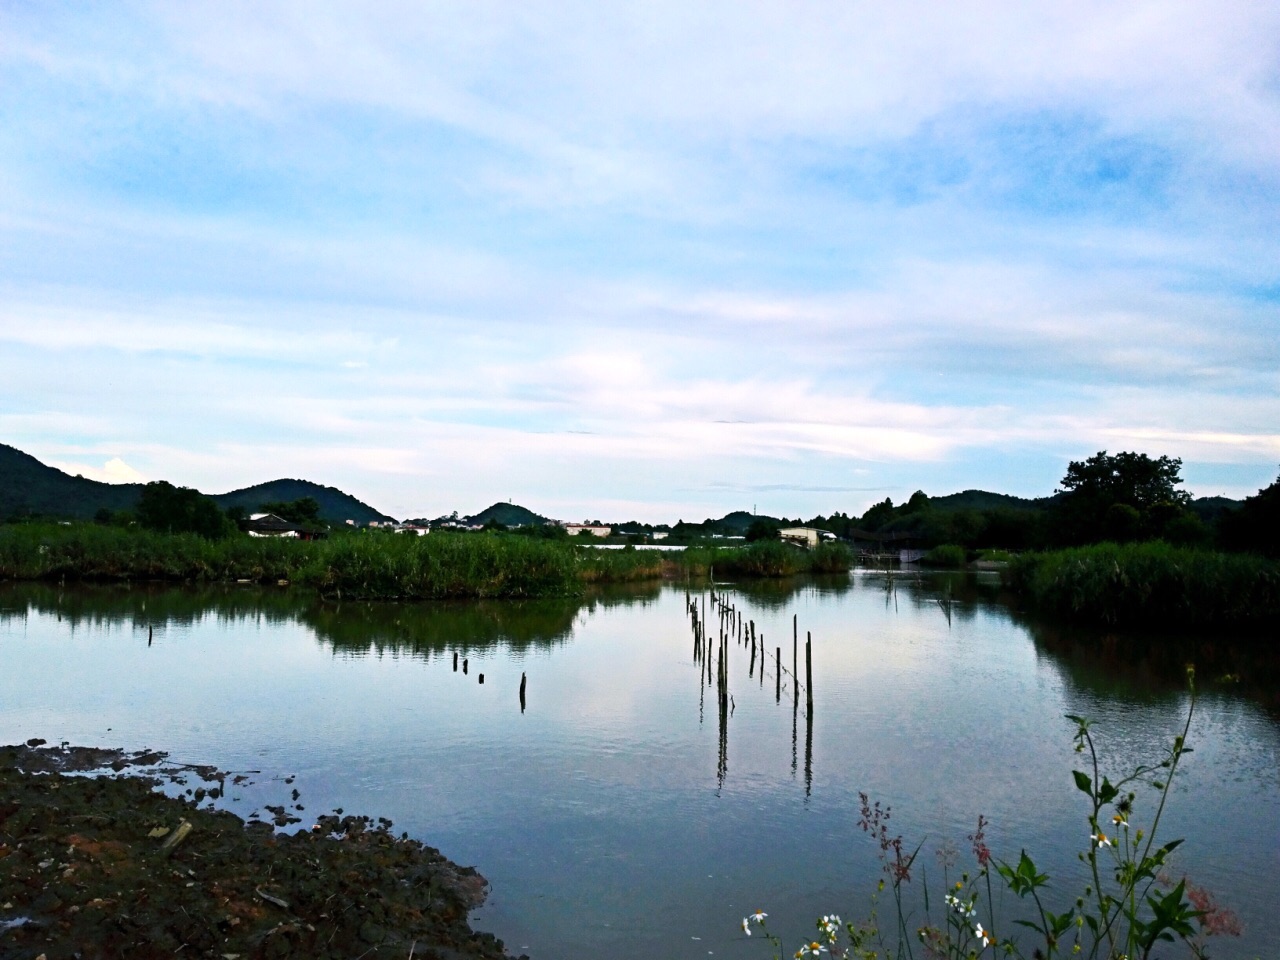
[762, 529]
[1128, 496]
[164, 507]
[302, 510]
[1256, 525]
[877, 516]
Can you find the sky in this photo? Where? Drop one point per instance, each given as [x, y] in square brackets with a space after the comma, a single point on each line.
[647, 261]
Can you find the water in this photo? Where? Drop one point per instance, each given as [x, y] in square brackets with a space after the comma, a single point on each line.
[605, 815]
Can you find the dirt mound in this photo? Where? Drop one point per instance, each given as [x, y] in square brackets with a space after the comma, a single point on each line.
[104, 867]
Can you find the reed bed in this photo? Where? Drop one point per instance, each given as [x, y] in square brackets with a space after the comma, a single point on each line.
[381, 566]
[1150, 585]
[351, 566]
[764, 558]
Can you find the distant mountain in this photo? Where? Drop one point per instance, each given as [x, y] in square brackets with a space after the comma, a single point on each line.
[509, 515]
[983, 500]
[737, 522]
[335, 506]
[1209, 509]
[31, 488]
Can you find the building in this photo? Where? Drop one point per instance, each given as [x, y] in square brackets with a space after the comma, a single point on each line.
[597, 530]
[269, 525]
[807, 537]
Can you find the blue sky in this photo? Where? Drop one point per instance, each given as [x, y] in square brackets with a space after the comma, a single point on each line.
[643, 261]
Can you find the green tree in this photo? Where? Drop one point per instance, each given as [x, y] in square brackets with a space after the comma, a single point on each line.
[302, 510]
[1126, 496]
[878, 515]
[170, 509]
[1256, 525]
[762, 529]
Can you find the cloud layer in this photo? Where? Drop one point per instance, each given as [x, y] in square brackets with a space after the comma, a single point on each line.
[641, 261]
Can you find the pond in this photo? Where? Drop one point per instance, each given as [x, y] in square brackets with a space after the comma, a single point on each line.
[613, 813]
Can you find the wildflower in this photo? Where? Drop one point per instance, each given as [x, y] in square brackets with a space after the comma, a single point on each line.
[983, 935]
[746, 926]
[830, 926]
[759, 916]
[1120, 821]
[1100, 838]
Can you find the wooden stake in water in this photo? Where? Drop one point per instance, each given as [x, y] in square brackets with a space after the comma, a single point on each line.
[808, 671]
[455, 661]
[777, 670]
[795, 645]
[522, 683]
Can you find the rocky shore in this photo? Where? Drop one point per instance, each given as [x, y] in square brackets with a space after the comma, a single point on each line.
[104, 866]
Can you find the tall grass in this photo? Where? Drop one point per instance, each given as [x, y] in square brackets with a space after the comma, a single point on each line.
[763, 558]
[1149, 585]
[355, 566]
[382, 566]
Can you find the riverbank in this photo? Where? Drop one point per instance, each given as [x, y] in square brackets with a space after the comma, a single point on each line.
[104, 866]
[1145, 585]
[378, 566]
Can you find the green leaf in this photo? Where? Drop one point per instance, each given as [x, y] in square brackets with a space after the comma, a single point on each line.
[1083, 783]
[1107, 792]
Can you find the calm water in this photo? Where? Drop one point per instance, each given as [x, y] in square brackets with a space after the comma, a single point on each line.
[613, 816]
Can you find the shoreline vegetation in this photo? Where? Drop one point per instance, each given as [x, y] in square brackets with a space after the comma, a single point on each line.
[382, 567]
[1134, 585]
[1149, 585]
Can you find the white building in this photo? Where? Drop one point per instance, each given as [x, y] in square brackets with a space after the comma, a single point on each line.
[596, 530]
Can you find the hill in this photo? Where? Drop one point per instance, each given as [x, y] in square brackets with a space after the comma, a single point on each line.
[509, 515]
[335, 506]
[30, 488]
[984, 500]
[736, 522]
[1209, 509]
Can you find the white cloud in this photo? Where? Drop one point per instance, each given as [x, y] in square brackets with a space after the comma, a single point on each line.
[114, 470]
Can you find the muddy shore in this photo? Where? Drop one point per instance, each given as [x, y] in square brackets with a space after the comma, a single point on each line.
[105, 865]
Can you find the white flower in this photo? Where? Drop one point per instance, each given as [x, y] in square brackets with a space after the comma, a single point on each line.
[983, 935]
[746, 926]
[1120, 821]
[1100, 838]
[759, 916]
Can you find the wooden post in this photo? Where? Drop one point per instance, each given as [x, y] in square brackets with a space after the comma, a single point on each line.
[522, 682]
[455, 661]
[777, 670]
[482, 678]
[808, 671]
[464, 665]
[795, 645]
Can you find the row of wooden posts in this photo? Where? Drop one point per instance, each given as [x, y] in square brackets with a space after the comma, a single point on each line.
[732, 625]
[480, 677]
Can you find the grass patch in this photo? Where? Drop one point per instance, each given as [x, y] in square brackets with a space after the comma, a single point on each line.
[1149, 585]
[947, 555]
[371, 566]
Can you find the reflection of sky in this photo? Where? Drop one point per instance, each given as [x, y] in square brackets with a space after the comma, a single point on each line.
[597, 814]
[639, 262]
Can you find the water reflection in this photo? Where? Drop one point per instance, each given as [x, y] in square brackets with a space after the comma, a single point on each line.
[419, 630]
[1147, 668]
[611, 797]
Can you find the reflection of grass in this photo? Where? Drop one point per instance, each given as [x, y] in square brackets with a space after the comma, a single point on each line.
[417, 629]
[1149, 585]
